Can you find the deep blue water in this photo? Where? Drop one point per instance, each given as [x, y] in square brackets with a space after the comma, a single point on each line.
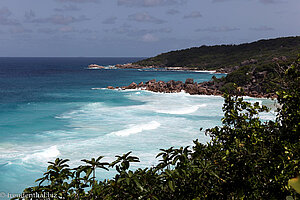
[49, 108]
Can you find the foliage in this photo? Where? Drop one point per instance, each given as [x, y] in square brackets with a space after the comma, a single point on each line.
[228, 87]
[240, 76]
[246, 158]
[295, 183]
[220, 56]
[263, 79]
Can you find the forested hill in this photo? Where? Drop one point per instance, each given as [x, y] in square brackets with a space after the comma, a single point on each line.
[220, 56]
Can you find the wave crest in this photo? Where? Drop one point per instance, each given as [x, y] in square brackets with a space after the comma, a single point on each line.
[42, 156]
[182, 111]
[134, 129]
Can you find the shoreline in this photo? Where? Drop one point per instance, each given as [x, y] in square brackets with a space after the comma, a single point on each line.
[189, 87]
[161, 68]
[181, 92]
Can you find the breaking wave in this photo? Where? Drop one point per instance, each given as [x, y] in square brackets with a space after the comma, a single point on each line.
[134, 129]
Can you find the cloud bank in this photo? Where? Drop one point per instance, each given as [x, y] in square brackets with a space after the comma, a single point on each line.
[194, 14]
[150, 3]
[5, 19]
[145, 17]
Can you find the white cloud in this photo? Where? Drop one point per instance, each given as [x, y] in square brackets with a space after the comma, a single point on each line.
[19, 29]
[60, 19]
[173, 12]
[80, 1]
[29, 15]
[5, 19]
[145, 17]
[217, 29]
[149, 38]
[110, 20]
[270, 1]
[261, 1]
[67, 8]
[150, 3]
[133, 32]
[66, 29]
[262, 28]
[194, 14]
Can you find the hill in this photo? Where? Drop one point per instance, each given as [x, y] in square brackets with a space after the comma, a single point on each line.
[228, 56]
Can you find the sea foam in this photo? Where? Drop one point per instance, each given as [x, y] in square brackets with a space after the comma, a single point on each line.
[181, 111]
[42, 156]
[134, 129]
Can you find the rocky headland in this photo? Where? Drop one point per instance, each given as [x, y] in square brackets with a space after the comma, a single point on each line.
[254, 69]
[95, 66]
[248, 78]
[190, 87]
[133, 66]
[163, 68]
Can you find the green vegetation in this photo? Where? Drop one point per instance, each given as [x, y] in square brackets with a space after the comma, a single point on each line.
[264, 79]
[227, 56]
[246, 159]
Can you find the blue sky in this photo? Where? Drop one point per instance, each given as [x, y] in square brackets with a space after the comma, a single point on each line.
[136, 28]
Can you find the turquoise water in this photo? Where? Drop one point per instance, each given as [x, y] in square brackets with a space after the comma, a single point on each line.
[55, 107]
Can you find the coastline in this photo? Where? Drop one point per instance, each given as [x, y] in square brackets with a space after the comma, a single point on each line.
[163, 68]
[189, 87]
[254, 87]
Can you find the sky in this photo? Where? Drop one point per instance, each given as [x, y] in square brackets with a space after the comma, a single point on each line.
[138, 28]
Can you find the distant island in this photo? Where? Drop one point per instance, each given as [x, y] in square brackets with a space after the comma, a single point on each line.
[255, 69]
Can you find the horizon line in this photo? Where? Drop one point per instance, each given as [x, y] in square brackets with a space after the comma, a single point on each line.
[74, 56]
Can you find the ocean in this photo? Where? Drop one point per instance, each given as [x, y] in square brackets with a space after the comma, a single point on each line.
[56, 107]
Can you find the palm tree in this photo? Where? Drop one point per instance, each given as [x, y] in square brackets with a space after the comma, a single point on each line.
[125, 161]
[57, 173]
[95, 163]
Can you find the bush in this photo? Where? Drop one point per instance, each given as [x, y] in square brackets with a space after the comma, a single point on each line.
[240, 76]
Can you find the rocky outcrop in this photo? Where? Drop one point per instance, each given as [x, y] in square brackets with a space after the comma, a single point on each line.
[172, 86]
[133, 66]
[133, 85]
[163, 68]
[227, 70]
[193, 88]
[189, 81]
[281, 58]
[95, 66]
[249, 62]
